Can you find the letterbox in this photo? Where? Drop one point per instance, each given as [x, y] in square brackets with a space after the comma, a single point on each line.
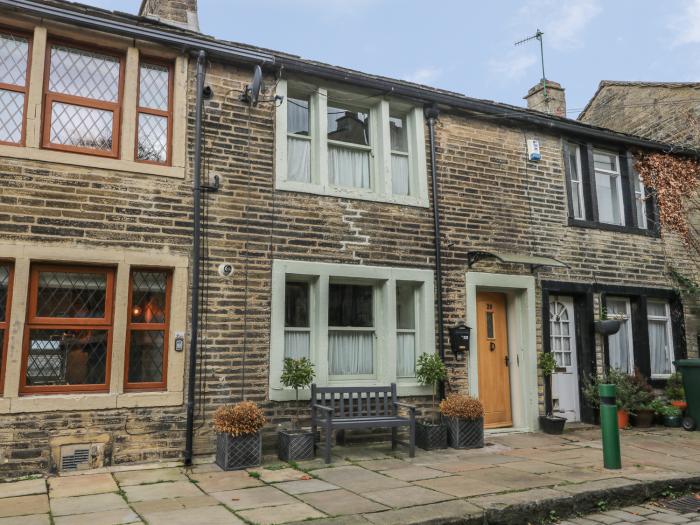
[459, 339]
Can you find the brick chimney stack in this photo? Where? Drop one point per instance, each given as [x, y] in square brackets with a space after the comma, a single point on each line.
[181, 13]
[555, 101]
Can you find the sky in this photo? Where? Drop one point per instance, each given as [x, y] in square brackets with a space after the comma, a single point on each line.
[468, 46]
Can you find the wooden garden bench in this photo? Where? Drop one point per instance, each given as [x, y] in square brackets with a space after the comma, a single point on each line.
[340, 408]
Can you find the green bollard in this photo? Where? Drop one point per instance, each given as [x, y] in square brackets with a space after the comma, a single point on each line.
[609, 428]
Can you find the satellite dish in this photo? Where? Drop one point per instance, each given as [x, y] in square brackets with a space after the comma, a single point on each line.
[252, 90]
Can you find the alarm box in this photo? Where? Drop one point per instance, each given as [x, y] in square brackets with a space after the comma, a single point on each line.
[533, 149]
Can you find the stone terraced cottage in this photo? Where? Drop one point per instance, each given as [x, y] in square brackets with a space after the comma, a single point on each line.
[361, 218]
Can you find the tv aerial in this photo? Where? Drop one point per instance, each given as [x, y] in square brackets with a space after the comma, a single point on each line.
[537, 36]
[251, 93]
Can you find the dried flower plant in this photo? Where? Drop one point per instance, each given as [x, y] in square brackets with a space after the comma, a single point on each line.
[239, 420]
[462, 407]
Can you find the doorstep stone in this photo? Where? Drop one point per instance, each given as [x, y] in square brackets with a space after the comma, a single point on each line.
[209, 515]
[167, 490]
[406, 496]
[222, 481]
[253, 498]
[23, 488]
[305, 486]
[446, 512]
[34, 519]
[341, 502]
[87, 504]
[140, 477]
[281, 514]
[461, 486]
[108, 517]
[21, 505]
[81, 485]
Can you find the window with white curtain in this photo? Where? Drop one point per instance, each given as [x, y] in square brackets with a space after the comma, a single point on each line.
[406, 314]
[660, 339]
[297, 326]
[640, 201]
[608, 187]
[349, 149]
[400, 163]
[299, 139]
[576, 181]
[350, 330]
[620, 354]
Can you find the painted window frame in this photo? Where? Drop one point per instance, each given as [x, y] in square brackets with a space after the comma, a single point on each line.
[5, 323]
[168, 114]
[20, 89]
[319, 276]
[575, 185]
[626, 319]
[34, 321]
[380, 144]
[51, 97]
[668, 325]
[132, 327]
[616, 177]
[415, 331]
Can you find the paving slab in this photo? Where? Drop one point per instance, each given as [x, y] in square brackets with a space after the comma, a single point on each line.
[140, 477]
[33, 519]
[281, 514]
[87, 504]
[445, 512]
[166, 490]
[340, 502]
[25, 487]
[538, 467]
[24, 505]
[253, 498]
[205, 516]
[81, 485]
[406, 496]
[221, 481]
[338, 520]
[357, 479]
[383, 464]
[163, 505]
[279, 475]
[457, 466]
[515, 479]
[107, 517]
[305, 486]
[414, 473]
[461, 486]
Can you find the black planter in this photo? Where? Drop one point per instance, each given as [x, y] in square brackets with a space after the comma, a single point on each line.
[465, 433]
[607, 326]
[295, 445]
[236, 453]
[552, 424]
[673, 421]
[430, 436]
[642, 418]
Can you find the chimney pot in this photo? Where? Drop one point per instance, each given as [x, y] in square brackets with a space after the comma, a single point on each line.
[181, 13]
[555, 101]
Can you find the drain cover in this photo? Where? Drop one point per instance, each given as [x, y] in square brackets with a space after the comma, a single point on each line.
[683, 504]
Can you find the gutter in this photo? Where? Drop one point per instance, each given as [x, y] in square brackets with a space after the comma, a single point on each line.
[196, 249]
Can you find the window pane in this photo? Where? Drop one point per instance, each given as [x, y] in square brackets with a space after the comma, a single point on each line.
[348, 126]
[348, 167]
[607, 191]
[604, 161]
[14, 54]
[146, 356]
[84, 74]
[350, 305]
[296, 305]
[153, 138]
[576, 182]
[405, 306]
[67, 357]
[658, 347]
[4, 287]
[619, 343]
[298, 116]
[297, 345]
[656, 309]
[154, 89]
[350, 353]
[400, 180]
[489, 326]
[298, 159]
[398, 134]
[71, 295]
[11, 115]
[148, 301]
[640, 201]
[81, 126]
[406, 352]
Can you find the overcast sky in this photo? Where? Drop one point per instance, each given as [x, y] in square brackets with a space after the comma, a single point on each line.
[467, 46]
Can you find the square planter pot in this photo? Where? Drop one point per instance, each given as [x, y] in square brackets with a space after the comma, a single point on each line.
[430, 436]
[465, 433]
[295, 445]
[236, 453]
[552, 424]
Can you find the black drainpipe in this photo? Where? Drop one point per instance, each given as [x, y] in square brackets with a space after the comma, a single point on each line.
[432, 113]
[196, 248]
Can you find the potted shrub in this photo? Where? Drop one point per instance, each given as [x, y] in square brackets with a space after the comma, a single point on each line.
[549, 423]
[606, 326]
[591, 395]
[296, 444]
[625, 395]
[238, 443]
[657, 405]
[674, 391]
[464, 416]
[672, 416]
[641, 393]
[431, 433]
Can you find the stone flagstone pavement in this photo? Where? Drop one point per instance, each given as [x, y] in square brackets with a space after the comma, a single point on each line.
[373, 484]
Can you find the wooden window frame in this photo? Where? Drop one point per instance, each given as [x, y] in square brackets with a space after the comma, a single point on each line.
[5, 323]
[115, 107]
[156, 112]
[164, 326]
[105, 323]
[20, 89]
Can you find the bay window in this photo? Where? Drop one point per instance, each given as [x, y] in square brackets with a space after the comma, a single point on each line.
[14, 80]
[660, 339]
[357, 324]
[332, 142]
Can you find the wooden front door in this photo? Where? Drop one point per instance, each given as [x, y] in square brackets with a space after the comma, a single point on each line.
[492, 348]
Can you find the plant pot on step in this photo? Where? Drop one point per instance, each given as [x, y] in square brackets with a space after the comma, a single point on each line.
[552, 424]
[240, 452]
[431, 436]
[295, 445]
[607, 326]
[465, 433]
[623, 419]
[642, 418]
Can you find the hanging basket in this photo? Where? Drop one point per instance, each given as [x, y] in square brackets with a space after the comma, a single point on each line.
[607, 326]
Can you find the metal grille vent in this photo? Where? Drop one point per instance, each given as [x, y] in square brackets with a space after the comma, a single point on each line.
[78, 460]
[684, 505]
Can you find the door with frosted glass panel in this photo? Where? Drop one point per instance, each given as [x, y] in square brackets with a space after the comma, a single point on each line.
[620, 354]
[565, 385]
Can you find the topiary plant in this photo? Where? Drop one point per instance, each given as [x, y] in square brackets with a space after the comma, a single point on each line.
[461, 407]
[548, 364]
[430, 370]
[239, 420]
[296, 374]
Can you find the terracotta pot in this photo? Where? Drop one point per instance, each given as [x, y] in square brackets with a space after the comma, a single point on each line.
[623, 419]
[679, 404]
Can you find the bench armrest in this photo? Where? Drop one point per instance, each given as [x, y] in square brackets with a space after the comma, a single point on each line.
[405, 405]
[325, 409]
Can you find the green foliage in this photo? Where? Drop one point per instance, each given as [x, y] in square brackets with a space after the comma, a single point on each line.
[674, 388]
[296, 374]
[657, 405]
[430, 370]
[671, 411]
[590, 390]
[687, 284]
[547, 363]
[632, 391]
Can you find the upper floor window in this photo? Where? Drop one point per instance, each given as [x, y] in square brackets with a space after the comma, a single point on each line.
[608, 186]
[14, 79]
[576, 181]
[83, 101]
[332, 142]
[154, 113]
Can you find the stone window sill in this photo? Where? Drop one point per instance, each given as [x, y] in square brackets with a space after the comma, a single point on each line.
[78, 402]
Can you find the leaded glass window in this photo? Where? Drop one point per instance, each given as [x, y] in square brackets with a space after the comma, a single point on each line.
[154, 108]
[14, 74]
